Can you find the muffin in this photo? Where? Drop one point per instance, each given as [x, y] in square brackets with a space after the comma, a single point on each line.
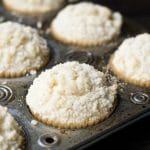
[131, 62]
[33, 7]
[71, 95]
[10, 132]
[86, 24]
[23, 50]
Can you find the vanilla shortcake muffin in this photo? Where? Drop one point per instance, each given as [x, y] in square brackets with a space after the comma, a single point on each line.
[33, 7]
[131, 62]
[71, 95]
[86, 24]
[10, 133]
[22, 50]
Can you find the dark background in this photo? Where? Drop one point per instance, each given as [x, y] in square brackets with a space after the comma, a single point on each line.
[136, 136]
[128, 7]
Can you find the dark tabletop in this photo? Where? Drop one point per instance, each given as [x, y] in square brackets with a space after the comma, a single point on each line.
[133, 137]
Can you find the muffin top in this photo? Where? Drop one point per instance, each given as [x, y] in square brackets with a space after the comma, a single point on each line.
[10, 132]
[22, 50]
[86, 24]
[132, 59]
[33, 6]
[71, 95]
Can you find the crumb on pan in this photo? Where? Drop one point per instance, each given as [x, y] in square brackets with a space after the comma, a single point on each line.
[34, 122]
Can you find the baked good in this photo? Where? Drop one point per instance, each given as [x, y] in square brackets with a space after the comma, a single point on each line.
[22, 50]
[131, 62]
[10, 133]
[33, 7]
[86, 24]
[71, 95]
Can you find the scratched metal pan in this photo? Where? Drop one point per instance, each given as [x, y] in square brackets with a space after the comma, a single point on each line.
[133, 101]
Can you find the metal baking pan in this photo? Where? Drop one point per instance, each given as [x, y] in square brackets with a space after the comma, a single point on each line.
[133, 101]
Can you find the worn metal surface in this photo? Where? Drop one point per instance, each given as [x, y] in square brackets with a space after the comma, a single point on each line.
[41, 136]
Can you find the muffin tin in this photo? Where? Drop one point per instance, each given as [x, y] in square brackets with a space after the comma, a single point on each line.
[133, 101]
